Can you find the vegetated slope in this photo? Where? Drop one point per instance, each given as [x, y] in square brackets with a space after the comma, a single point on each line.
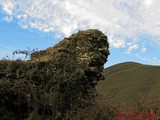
[129, 81]
[56, 83]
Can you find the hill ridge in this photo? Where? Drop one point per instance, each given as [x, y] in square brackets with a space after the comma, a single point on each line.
[129, 80]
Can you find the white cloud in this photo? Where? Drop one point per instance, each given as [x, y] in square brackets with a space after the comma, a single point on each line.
[148, 2]
[131, 48]
[150, 59]
[7, 6]
[143, 49]
[8, 18]
[119, 19]
[116, 43]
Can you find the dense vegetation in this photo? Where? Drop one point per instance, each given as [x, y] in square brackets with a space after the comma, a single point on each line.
[56, 83]
[59, 84]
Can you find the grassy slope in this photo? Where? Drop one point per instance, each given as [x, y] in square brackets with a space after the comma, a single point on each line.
[127, 81]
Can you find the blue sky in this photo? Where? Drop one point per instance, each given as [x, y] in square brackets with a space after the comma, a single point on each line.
[132, 26]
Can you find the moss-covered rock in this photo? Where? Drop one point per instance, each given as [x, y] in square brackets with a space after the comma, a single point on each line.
[55, 81]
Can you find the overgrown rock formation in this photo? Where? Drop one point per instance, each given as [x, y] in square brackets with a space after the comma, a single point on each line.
[57, 81]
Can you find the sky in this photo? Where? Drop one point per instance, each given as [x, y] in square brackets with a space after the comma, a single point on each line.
[132, 26]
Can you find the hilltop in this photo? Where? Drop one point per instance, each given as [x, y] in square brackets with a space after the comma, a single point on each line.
[129, 81]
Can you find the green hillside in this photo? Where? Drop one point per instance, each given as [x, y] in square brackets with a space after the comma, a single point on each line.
[128, 81]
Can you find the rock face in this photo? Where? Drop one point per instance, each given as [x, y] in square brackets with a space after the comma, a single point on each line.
[89, 48]
[55, 80]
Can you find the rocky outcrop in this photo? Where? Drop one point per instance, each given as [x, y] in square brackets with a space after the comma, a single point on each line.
[56, 80]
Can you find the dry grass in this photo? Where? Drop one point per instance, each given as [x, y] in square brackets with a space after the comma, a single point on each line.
[110, 109]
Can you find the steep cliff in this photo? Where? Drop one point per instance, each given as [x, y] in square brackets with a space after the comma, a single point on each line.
[56, 80]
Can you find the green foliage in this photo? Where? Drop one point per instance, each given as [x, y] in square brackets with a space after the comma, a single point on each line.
[56, 81]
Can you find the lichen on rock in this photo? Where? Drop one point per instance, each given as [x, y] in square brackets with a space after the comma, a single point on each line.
[56, 80]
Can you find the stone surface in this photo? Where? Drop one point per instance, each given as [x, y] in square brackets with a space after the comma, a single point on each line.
[56, 80]
[89, 49]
